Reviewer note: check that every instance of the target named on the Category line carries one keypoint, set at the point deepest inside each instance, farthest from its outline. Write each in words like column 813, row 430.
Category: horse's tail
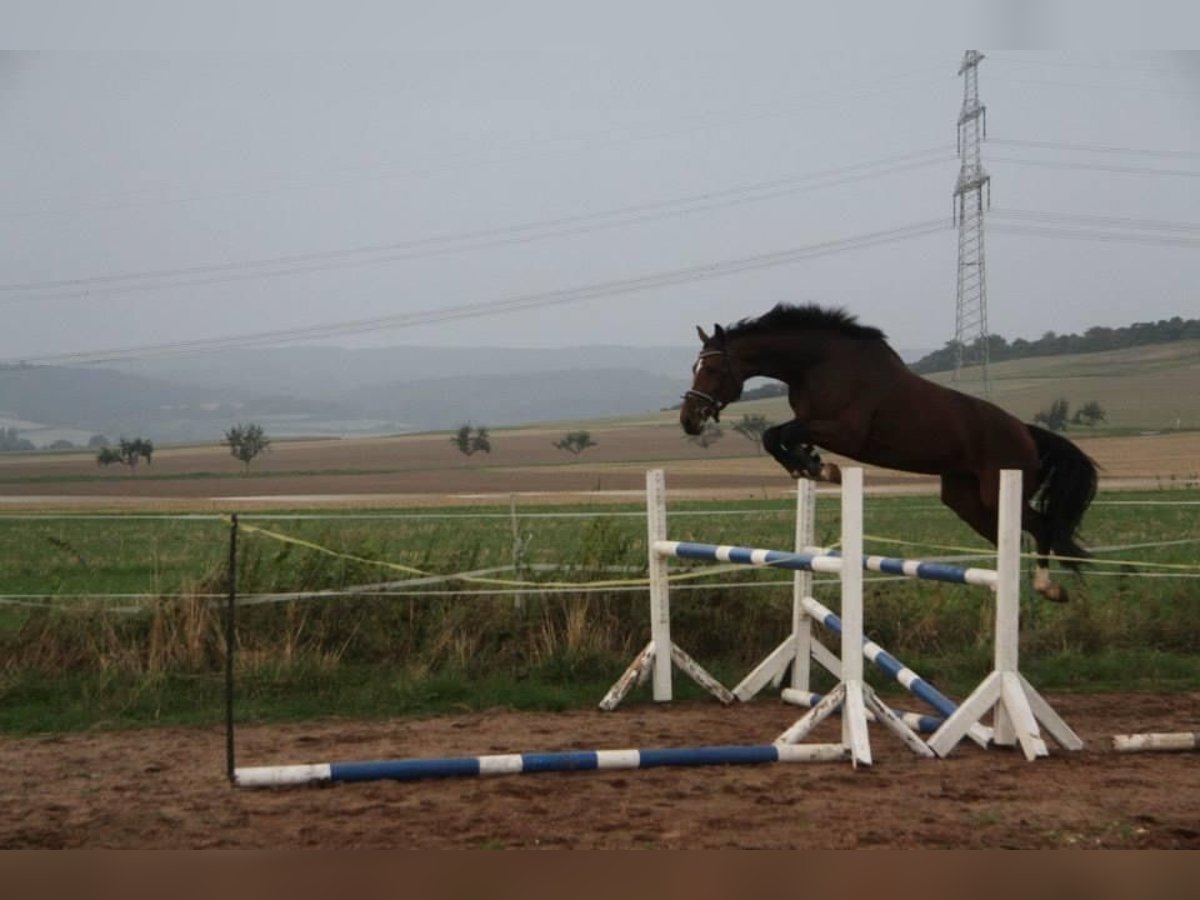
column 1066, row 486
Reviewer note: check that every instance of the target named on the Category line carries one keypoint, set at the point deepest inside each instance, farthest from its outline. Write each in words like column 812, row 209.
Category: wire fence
column 486, row 582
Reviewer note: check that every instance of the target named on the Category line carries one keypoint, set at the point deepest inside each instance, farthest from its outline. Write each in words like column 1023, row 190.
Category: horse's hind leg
column 1035, row 523
column 977, row 503
column 963, row 493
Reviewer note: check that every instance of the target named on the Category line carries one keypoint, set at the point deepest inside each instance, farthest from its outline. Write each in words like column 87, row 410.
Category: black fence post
column 230, row 641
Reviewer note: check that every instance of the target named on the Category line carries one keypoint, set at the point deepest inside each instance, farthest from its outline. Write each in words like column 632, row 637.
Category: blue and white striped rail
column 826, row 561
column 530, row 763
column 830, row 562
column 917, row 722
column 896, row 670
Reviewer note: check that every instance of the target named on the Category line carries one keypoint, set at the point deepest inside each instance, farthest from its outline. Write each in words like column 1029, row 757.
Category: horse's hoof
column 831, row 472
column 1055, row 593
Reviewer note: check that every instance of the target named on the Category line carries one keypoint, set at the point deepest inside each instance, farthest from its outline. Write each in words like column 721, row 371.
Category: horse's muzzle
column 698, row 407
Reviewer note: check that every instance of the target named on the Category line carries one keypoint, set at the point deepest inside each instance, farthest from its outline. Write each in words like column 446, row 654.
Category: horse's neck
column 779, row 357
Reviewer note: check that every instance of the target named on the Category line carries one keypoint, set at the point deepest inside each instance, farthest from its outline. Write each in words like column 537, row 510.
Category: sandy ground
column 166, row 788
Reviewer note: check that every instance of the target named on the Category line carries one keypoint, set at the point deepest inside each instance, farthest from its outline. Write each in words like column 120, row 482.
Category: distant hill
column 44, row 402
column 330, row 372
column 521, row 398
column 115, row 403
column 1150, row 388
column 334, row 391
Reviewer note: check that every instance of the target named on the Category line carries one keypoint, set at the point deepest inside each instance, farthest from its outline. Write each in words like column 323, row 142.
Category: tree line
column 1094, row 340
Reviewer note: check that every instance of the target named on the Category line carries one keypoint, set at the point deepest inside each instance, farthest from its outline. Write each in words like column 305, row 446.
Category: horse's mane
column 785, row 317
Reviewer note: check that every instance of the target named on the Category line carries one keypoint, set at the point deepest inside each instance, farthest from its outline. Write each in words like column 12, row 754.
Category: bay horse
column 851, row 394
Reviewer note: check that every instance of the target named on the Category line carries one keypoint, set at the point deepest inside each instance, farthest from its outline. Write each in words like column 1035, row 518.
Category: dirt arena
column 166, row 788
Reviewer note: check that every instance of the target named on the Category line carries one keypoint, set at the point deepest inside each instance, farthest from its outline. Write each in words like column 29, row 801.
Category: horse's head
column 714, row 383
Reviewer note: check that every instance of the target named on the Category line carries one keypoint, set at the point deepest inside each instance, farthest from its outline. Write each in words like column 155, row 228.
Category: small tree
column 471, row 440
column 751, row 427
column 709, row 435
column 107, row 456
column 131, row 452
column 96, row 441
column 246, row 442
column 10, row 439
column 1055, row 416
column 575, row 442
column 1089, row 414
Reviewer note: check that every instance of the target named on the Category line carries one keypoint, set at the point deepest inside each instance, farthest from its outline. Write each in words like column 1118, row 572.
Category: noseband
column 710, row 406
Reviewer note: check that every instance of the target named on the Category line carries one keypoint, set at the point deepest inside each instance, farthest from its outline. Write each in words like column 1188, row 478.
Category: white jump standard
column 1017, row 706
column 852, row 693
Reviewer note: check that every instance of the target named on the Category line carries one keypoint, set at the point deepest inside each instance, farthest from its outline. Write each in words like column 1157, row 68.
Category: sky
column 183, row 176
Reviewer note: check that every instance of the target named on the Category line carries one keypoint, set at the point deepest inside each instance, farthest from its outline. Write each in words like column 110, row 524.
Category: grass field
column 426, row 470
column 382, row 638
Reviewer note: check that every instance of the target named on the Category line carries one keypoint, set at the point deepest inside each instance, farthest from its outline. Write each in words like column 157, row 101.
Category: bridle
column 710, row 406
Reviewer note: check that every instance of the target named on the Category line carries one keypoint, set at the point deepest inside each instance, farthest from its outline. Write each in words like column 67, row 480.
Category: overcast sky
column 384, row 175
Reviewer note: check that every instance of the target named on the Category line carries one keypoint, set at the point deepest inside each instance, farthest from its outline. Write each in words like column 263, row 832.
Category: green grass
column 84, row 660
column 32, row 704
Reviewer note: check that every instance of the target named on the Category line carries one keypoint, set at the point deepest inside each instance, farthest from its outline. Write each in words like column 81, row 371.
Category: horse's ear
column 718, row 334
column 703, row 336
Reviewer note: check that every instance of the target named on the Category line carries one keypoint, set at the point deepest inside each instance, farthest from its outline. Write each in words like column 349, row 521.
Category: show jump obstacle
column 1016, row 706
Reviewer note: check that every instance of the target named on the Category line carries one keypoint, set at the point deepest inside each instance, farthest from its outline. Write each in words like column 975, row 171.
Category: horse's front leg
column 792, row 446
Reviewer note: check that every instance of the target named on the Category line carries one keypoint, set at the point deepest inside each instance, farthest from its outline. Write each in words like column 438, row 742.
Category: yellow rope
column 706, row 572
column 1090, row 560
column 476, row 579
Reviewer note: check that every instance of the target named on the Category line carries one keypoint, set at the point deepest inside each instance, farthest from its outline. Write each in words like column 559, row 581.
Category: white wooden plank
column 969, row 712
column 699, row 675
column 814, row 717
column 895, row 724
column 634, row 674
column 768, row 670
column 1053, row 723
column 1024, row 724
column 854, row 725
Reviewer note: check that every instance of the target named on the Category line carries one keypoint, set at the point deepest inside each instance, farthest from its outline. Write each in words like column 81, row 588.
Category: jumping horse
column 851, row 394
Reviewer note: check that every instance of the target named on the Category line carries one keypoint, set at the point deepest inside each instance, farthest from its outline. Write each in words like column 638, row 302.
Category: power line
column 1094, row 148
column 1103, row 236
column 1102, row 221
column 706, row 271
column 377, row 254
column 1004, row 57
column 1125, row 86
column 1096, row 167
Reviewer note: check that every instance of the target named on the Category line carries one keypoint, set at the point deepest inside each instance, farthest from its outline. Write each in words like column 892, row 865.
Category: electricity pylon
column 970, row 311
